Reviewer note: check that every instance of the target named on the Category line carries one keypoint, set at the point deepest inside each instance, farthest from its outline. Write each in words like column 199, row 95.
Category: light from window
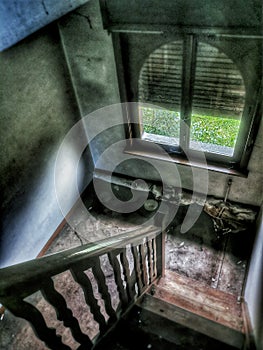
column 160, row 125
column 214, row 134
column 218, row 101
column 214, row 106
column 161, row 82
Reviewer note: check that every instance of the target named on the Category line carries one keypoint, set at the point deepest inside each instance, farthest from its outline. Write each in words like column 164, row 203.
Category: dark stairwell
column 158, row 304
column 42, row 78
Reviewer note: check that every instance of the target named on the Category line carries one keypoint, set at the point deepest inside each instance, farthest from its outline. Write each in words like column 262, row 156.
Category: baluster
column 161, row 221
column 137, row 268
column 117, row 275
column 143, row 264
column 23, row 309
column 154, row 257
column 150, row 259
column 82, row 279
column 160, row 254
column 103, row 289
column 133, row 280
column 64, row 313
column 130, row 288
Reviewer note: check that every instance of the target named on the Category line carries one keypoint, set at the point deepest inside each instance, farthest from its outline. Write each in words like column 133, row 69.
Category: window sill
column 147, row 152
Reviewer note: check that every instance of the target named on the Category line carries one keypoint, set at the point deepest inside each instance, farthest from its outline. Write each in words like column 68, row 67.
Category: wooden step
column 142, row 329
column 129, row 334
column 221, row 334
column 191, row 295
column 213, row 312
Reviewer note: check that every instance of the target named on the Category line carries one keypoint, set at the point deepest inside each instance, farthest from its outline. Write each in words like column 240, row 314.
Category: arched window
column 199, row 92
column 201, row 97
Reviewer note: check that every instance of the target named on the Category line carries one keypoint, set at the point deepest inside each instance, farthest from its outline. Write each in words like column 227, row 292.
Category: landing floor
column 218, row 260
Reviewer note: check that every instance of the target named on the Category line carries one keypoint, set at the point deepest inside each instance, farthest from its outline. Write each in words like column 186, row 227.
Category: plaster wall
column 227, row 13
column 36, row 111
column 254, row 285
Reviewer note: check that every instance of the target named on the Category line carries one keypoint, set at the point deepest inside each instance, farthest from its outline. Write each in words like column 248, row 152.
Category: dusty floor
column 201, row 254
column 218, row 260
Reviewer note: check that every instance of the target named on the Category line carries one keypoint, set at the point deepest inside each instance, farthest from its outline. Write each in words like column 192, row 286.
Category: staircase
column 155, row 309
column 179, row 313
column 110, row 274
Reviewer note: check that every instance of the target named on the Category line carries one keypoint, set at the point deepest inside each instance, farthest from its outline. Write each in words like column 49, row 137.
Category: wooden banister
column 135, row 258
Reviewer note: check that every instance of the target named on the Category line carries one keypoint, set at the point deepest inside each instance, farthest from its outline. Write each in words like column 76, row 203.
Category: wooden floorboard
column 192, row 321
column 221, row 307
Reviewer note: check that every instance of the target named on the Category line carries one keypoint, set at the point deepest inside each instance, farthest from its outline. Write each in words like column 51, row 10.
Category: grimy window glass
column 216, row 98
column 160, row 83
column 218, row 101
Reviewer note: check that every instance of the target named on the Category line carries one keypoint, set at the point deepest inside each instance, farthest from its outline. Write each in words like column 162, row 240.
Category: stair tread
column 191, row 320
column 200, row 299
column 174, row 278
column 141, row 329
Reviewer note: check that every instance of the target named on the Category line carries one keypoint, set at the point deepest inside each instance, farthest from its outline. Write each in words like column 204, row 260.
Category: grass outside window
column 214, row 130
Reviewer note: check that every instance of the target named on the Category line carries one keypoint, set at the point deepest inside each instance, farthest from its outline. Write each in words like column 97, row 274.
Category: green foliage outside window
column 207, row 129
column 161, row 122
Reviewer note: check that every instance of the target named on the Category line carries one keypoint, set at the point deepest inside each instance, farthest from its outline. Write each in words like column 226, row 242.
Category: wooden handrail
column 53, row 264
column 144, row 246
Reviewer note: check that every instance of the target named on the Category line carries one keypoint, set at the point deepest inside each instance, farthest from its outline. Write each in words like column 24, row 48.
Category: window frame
column 237, row 165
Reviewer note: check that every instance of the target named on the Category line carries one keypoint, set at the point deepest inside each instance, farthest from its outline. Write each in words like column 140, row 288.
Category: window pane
column 214, row 134
column 218, row 102
column 160, row 83
column 161, row 76
column 160, row 125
